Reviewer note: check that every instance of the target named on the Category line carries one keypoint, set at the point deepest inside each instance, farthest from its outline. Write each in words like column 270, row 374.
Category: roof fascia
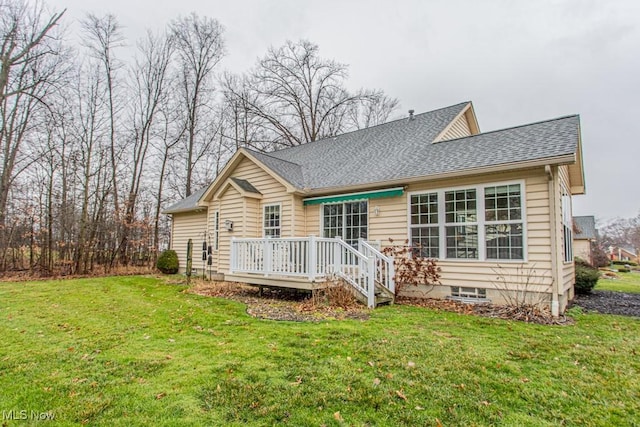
column 578, row 187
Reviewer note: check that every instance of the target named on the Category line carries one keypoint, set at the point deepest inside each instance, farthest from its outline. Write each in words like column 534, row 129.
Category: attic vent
column 411, row 114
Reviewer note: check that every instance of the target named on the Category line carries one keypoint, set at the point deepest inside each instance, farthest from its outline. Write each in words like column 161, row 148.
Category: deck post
column 267, row 250
column 337, row 256
column 312, row 257
column 371, row 282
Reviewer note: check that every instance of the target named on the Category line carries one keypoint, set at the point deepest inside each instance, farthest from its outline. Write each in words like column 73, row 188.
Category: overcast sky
column 518, row 61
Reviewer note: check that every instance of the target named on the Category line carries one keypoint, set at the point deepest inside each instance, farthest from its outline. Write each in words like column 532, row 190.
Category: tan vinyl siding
column 458, row 129
column 188, row 225
column 298, row 217
column 213, row 207
column 232, row 209
column 253, row 218
column 272, row 192
column 391, row 220
column 582, row 249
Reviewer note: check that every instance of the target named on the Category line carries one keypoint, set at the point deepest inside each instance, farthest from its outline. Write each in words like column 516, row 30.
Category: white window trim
column 321, row 207
column 264, row 211
column 481, row 222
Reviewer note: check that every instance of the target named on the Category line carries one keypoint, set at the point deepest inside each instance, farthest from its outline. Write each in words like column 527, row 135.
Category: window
column 503, row 222
column 567, row 225
column 461, row 224
column 425, row 234
column 462, row 292
column 347, row 220
column 271, row 224
column 216, row 230
column 482, row 222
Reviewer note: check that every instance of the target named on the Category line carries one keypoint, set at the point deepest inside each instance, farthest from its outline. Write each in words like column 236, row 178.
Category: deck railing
column 316, row 259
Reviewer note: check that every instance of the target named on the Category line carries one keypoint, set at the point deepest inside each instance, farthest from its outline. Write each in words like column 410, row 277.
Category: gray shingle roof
column 245, row 185
column 187, row 204
column 585, row 227
column 403, row 149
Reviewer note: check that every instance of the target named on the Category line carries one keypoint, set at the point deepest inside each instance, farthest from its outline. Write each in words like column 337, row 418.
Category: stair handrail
column 385, row 269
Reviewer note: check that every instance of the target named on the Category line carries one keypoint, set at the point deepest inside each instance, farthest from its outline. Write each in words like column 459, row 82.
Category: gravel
column 609, row 302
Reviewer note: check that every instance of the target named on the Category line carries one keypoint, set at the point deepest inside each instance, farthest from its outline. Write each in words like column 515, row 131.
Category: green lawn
column 135, row 351
column 627, row 282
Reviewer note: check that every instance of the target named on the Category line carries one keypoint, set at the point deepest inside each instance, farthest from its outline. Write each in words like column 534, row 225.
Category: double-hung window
column 271, row 222
column 461, row 223
column 483, row 222
column 503, row 222
column 425, row 233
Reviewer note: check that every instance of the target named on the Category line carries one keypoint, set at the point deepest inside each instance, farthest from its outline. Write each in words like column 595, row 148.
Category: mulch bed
column 610, row 302
column 283, row 304
column 286, row 304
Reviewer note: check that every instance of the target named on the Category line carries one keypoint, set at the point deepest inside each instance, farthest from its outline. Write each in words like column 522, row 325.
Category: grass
column 137, row 351
column 626, row 282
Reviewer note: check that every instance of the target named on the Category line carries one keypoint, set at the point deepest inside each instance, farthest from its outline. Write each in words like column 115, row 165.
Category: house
column 584, row 237
column 493, row 208
column 619, row 253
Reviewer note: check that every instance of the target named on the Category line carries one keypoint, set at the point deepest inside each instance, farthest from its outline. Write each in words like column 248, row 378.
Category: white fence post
column 267, row 251
column 371, row 282
column 312, row 257
column 337, row 256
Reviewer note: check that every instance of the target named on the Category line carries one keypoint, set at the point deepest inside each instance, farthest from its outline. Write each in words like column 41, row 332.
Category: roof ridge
column 510, row 128
column 370, row 127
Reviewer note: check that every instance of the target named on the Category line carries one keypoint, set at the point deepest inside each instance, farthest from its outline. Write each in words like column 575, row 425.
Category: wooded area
column 94, row 145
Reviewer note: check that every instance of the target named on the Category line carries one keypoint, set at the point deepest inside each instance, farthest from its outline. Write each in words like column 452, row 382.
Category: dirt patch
column 286, row 304
column 610, row 302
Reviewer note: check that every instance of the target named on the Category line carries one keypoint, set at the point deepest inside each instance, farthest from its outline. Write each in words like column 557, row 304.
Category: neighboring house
column 493, row 208
column 584, row 237
column 618, row 253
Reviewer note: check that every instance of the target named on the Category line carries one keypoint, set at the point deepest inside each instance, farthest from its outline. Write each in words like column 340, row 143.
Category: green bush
column 623, row 270
column 618, row 262
column 586, row 278
column 168, row 262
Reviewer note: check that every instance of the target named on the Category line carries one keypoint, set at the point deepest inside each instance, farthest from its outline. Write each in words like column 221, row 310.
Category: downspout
column 553, row 207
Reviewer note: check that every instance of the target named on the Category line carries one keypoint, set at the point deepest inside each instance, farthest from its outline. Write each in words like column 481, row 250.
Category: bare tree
column 200, row 47
column 149, row 76
column 302, row 97
column 30, row 64
column 104, row 35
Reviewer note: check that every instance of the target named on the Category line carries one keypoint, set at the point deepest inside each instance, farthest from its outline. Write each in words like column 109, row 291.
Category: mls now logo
column 27, row 415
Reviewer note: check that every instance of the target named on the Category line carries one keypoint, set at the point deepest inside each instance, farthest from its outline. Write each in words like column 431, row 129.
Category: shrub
column 412, row 269
column 168, row 262
column 623, row 269
column 619, row 262
column 586, row 278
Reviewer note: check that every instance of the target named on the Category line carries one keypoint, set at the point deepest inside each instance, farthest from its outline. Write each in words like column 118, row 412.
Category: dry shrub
column 411, row 269
column 335, row 295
